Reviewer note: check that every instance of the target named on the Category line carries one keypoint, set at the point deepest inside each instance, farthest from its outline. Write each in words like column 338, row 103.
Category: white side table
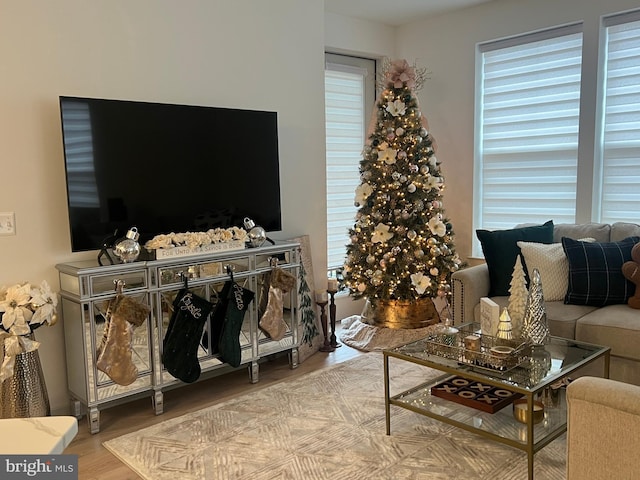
column 36, row 435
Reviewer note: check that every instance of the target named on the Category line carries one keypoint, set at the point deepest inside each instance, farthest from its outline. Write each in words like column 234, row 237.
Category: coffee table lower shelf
column 500, row 426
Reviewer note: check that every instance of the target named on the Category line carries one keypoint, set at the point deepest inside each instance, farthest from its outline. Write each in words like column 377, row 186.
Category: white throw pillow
column 552, row 263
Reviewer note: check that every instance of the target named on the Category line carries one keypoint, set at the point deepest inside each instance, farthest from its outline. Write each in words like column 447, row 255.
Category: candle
column 321, row 296
column 472, row 342
column 332, row 285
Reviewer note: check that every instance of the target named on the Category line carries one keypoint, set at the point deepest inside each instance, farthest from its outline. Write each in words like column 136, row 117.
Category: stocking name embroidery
column 188, row 305
column 237, row 294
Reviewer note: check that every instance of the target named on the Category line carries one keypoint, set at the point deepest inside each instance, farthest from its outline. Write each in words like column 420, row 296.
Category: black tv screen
column 166, row 168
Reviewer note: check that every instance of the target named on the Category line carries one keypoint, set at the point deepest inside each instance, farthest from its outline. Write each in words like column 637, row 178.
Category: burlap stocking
column 114, row 352
column 271, row 321
column 229, row 345
column 181, row 342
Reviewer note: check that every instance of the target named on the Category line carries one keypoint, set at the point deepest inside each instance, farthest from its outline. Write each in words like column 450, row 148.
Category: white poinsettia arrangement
column 196, row 239
column 23, row 308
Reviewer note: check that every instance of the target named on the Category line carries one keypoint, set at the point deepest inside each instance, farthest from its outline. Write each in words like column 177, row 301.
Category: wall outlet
column 7, row 223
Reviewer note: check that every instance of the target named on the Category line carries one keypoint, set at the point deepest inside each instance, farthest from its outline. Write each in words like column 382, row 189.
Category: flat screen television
column 166, row 168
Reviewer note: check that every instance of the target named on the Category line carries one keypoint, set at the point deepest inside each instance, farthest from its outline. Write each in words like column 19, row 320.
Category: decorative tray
column 469, row 346
column 474, row 394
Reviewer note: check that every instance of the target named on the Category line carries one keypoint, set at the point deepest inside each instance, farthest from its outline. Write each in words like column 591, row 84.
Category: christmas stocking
column 229, row 345
column 181, row 342
column 217, row 318
column 114, row 352
column 271, row 321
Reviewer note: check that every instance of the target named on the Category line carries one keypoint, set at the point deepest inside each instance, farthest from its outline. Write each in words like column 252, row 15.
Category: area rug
column 328, row 424
column 369, row 338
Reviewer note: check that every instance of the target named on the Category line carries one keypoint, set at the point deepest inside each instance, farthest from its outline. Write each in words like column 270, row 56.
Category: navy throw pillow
column 595, row 272
column 500, row 248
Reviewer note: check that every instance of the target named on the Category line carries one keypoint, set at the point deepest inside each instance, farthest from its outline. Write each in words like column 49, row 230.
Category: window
column 619, row 172
column 535, row 114
column 528, row 116
column 349, row 99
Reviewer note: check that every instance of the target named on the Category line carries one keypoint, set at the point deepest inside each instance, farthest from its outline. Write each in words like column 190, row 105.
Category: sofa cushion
column 562, row 318
column 616, row 326
column 600, row 231
column 552, row 264
column 500, row 250
column 622, row 230
column 595, row 272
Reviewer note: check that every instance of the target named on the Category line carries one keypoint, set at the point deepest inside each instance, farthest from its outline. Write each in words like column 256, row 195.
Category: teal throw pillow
column 500, row 248
column 595, row 272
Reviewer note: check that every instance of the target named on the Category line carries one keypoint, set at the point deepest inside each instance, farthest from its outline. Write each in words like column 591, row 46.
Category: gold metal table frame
column 566, row 357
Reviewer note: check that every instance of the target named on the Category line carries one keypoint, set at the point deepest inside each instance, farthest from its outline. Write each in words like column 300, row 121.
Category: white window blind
column 527, row 122
column 345, row 112
column 620, row 173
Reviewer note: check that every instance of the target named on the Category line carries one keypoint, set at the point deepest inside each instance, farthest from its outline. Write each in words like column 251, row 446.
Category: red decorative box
column 474, row 394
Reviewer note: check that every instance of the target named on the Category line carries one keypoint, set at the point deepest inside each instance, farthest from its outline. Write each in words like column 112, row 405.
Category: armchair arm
column 468, row 286
column 603, row 429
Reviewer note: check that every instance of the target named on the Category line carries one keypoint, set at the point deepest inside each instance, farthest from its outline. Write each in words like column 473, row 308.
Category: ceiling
column 395, row 12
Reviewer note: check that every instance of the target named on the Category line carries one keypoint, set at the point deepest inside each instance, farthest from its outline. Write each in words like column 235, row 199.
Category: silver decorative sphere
column 128, row 248
column 256, row 234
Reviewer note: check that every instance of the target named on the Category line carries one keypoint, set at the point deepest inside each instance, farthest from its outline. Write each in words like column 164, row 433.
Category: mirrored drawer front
column 287, row 257
column 106, row 284
column 174, row 275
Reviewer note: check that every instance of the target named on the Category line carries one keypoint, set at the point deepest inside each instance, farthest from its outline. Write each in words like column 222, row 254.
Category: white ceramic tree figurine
column 518, row 297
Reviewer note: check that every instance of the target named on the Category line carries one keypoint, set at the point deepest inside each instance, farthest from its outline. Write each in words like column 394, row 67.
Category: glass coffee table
column 533, row 375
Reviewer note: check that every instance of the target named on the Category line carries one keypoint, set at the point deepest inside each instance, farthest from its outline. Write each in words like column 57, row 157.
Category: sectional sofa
column 598, row 315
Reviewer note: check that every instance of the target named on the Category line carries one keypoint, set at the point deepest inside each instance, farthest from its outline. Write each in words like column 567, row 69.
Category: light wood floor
column 96, row 462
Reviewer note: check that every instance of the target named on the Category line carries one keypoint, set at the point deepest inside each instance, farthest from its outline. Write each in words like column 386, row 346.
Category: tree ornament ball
column 411, row 234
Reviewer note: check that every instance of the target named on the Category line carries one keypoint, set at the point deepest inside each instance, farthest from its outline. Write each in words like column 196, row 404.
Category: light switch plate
column 7, row 223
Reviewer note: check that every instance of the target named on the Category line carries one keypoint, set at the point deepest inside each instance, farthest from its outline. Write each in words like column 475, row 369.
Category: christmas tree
column 518, row 297
column 307, row 309
column 401, row 242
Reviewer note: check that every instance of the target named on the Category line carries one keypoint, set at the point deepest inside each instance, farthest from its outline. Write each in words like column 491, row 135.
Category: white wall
column 446, row 46
column 242, row 54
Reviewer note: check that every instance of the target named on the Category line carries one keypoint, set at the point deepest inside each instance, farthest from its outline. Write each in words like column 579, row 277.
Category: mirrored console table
column 86, row 289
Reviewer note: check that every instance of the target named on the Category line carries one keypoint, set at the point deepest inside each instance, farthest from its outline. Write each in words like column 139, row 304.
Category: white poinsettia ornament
column 437, row 226
column 363, row 191
column 396, row 107
column 381, row 234
column 388, row 155
column 420, row 281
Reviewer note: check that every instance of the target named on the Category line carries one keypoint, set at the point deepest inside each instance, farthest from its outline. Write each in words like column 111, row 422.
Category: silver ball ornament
column 127, row 249
column 256, row 234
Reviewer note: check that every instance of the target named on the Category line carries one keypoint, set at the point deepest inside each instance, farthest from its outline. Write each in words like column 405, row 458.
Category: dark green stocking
column 181, row 342
column 229, row 345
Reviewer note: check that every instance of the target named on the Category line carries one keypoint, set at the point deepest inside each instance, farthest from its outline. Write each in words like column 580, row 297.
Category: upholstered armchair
column 603, row 429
